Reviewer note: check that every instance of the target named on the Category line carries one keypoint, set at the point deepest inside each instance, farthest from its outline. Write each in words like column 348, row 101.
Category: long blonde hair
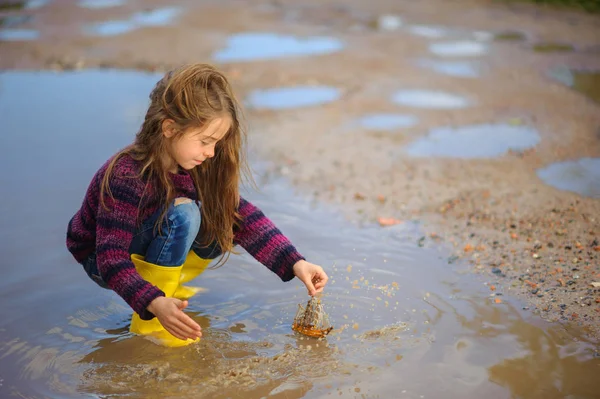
column 192, row 96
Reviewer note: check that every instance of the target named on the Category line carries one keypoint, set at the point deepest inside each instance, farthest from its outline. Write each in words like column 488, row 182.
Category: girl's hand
column 169, row 311
column 313, row 276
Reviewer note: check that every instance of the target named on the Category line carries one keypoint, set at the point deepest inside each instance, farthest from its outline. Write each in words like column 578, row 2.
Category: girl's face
column 196, row 144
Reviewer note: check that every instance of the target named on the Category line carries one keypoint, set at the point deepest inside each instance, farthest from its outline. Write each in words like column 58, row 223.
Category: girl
column 161, row 209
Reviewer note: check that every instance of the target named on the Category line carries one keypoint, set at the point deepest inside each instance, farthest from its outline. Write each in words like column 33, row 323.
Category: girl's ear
column 168, row 128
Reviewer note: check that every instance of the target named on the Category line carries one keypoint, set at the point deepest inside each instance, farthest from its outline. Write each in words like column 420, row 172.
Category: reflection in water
column 432, row 32
column 97, row 4
column 462, row 48
column 477, row 141
column 15, row 34
column 429, row 99
column 10, row 21
column 261, row 46
column 387, row 121
column 585, row 82
column 510, row 36
column 552, row 48
column 157, row 17
column 396, row 306
column 292, row 97
column 581, row 176
column 461, row 69
column 33, row 4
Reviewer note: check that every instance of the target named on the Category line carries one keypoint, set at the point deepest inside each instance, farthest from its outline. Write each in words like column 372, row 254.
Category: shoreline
column 527, row 238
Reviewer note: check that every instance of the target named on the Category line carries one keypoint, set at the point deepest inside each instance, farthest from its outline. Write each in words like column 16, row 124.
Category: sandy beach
column 441, row 113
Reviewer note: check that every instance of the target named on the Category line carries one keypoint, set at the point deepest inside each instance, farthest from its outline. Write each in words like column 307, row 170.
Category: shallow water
column 407, row 324
column 16, row 5
column 98, row 4
column 387, row 121
column 459, row 69
column 552, row 48
column 581, row 176
column 584, row 82
column 510, row 36
column 10, row 21
column 292, row 97
column 262, row 46
column 476, row 141
column 429, row 99
column 459, row 48
column 431, row 32
column 15, row 34
column 157, row 17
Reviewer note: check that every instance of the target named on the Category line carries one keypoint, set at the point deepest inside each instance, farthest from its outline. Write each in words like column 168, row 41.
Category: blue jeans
column 167, row 247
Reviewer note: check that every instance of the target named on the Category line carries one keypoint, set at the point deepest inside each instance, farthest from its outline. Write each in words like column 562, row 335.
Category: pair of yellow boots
column 169, row 279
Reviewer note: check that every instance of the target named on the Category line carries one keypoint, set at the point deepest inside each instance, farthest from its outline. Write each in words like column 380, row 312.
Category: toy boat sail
column 312, row 320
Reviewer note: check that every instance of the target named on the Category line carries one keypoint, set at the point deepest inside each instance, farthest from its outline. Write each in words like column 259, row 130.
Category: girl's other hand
column 313, row 276
column 169, row 311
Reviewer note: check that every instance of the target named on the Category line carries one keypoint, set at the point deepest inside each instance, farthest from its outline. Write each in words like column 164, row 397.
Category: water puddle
column 476, row 141
column 34, row 4
column 10, row 21
column 552, row 48
column 584, row 82
column 397, row 308
column 430, row 32
column 460, row 48
column 99, row 4
column 14, row 34
column 581, row 176
column 387, row 121
column 510, row 36
column 19, row 5
column 263, row 46
column 157, row 17
column 292, row 97
column 459, row 69
column 430, row 99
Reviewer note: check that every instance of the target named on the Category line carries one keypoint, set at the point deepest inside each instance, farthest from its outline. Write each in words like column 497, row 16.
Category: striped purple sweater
column 109, row 233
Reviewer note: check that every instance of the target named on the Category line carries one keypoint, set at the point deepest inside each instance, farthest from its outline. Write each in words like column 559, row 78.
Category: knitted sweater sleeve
column 115, row 228
column 265, row 242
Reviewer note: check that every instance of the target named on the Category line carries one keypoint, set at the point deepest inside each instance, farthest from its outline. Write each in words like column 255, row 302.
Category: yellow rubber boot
column 166, row 278
column 192, row 268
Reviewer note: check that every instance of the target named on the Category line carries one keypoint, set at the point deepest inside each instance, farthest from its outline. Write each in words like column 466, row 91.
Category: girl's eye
column 204, row 142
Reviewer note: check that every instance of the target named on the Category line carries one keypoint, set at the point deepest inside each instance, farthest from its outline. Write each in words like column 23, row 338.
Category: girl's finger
column 176, row 332
column 323, row 276
column 186, row 331
column 189, row 322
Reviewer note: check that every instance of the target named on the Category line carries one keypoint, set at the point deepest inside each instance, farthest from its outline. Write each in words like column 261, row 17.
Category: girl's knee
column 185, row 215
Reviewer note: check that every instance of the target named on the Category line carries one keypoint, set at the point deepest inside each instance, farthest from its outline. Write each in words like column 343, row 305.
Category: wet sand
column 526, row 238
